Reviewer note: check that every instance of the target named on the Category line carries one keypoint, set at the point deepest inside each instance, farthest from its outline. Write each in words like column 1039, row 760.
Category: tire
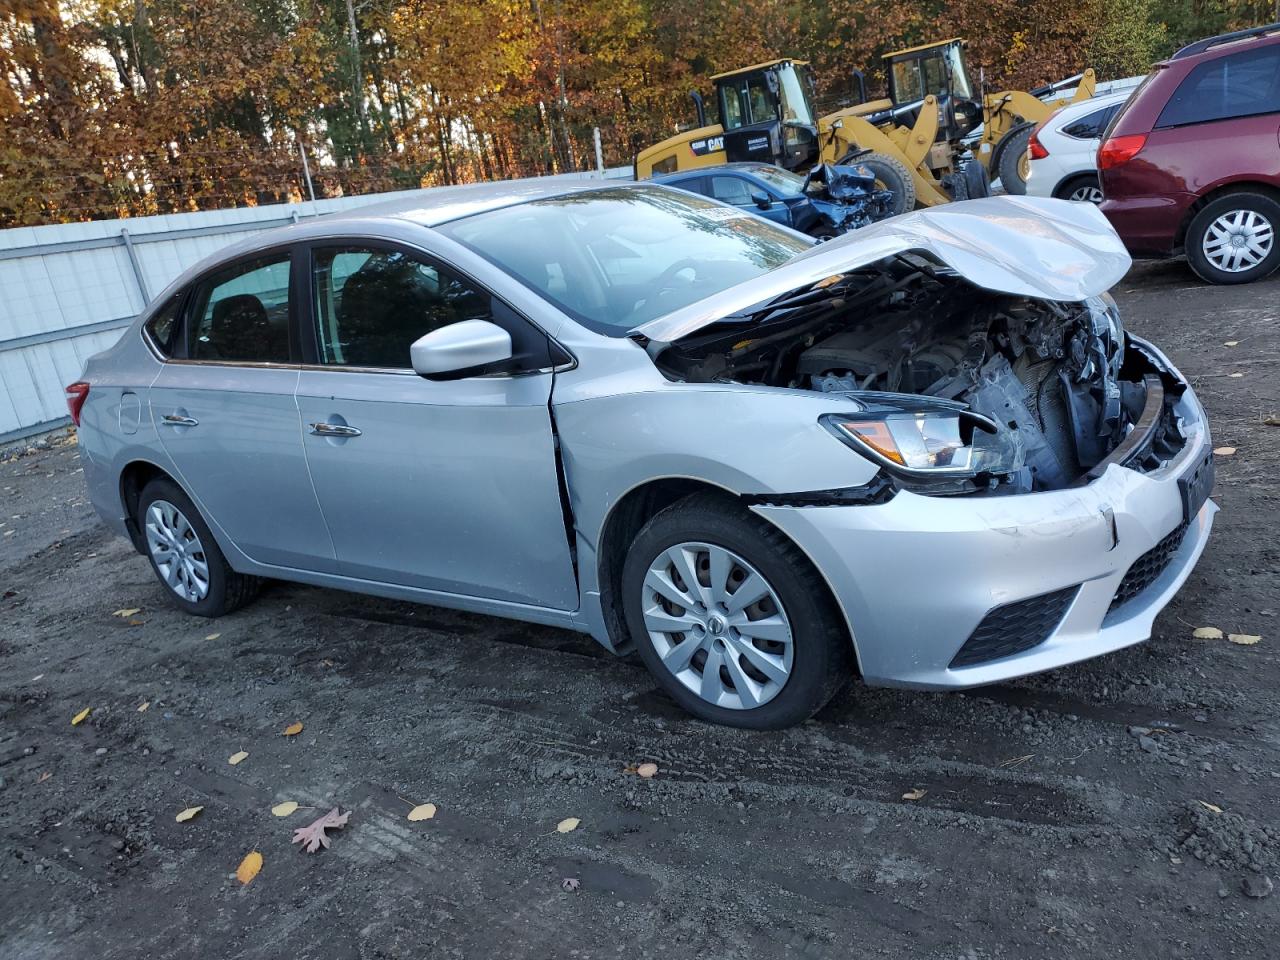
column 956, row 186
column 167, row 518
column 1252, row 216
column 807, row 650
column 1010, row 154
column 892, row 174
column 1084, row 188
column 976, row 182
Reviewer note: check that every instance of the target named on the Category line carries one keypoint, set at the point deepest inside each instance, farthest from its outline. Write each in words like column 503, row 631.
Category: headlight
column 935, row 439
column 917, row 441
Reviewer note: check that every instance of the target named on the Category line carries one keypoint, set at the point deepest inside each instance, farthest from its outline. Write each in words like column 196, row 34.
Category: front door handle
column 334, row 430
column 176, row 420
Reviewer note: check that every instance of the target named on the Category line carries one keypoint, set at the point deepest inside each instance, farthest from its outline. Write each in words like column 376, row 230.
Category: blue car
column 781, row 196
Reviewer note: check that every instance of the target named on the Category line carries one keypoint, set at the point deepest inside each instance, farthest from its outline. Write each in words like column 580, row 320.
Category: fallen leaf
column 647, row 770
column 1235, row 376
column 127, row 612
column 79, row 717
column 44, row 776
column 1224, row 451
column 423, row 811
column 1210, row 807
column 570, row 883
column 569, row 823
column 249, row 866
column 213, row 636
column 1244, row 639
column 1271, row 422
column 914, row 794
column 237, row 757
column 142, row 707
column 1232, row 343
column 293, row 729
column 313, row 835
column 38, row 676
column 187, row 814
column 1207, row 633
column 136, row 623
column 284, row 809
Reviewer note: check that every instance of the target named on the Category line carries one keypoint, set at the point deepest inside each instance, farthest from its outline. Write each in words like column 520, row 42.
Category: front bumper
column 917, row 575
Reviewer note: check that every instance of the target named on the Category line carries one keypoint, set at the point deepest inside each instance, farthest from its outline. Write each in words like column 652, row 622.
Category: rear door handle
column 334, row 430
column 175, row 420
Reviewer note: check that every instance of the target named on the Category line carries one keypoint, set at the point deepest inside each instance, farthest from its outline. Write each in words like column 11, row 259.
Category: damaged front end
column 951, row 387
column 845, row 196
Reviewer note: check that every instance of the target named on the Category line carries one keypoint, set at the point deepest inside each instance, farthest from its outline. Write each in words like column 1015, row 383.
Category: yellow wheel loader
column 914, row 141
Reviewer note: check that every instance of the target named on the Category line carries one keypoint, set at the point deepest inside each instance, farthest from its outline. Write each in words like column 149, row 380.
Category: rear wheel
column 892, row 174
column 1082, row 189
column 1233, row 239
column 730, row 618
column 1012, row 162
column 185, row 557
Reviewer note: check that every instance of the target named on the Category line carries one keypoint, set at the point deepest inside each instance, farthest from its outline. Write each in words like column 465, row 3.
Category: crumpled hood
column 1026, row 246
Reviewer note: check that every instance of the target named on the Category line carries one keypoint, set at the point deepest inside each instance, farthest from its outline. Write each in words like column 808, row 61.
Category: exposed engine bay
column 994, row 393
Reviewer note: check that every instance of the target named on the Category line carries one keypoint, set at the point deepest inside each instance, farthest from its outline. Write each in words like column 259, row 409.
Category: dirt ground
column 1128, row 807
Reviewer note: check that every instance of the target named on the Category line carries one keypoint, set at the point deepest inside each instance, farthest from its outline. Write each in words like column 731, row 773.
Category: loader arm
column 907, row 144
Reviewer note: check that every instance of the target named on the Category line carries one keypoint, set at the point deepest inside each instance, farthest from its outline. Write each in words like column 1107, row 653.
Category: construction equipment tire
column 892, row 174
column 1010, row 157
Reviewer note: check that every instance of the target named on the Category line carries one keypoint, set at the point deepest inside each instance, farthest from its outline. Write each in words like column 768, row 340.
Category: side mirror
column 761, row 199
column 459, row 349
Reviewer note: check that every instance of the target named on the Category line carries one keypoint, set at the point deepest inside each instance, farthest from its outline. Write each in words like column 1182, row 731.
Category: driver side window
column 371, row 304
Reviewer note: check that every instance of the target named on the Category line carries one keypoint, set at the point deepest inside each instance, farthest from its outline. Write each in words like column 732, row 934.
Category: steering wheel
column 663, row 280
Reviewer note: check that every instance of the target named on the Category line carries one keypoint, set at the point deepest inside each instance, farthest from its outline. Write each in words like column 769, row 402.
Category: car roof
column 436, row 205
column 739, row 166
column 1074, row 111
column 1226, row 43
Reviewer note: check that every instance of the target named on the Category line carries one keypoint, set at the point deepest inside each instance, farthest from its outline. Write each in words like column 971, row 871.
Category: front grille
column 1147, row 569
column 1015, row 627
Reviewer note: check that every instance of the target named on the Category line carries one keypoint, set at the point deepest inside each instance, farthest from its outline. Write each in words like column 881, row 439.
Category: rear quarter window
column 163, row 325
column 1243, row 84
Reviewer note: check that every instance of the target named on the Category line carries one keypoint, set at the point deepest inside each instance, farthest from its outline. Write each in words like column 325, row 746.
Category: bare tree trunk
column 357, row 71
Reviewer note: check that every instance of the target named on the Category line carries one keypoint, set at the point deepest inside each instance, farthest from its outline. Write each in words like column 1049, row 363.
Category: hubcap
column 1238, row 241
column 1086, row 194
column 717, row 625
column 176, row 551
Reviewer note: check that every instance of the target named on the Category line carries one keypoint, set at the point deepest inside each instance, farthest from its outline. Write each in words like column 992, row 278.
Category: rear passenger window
column 242, row 313
column 1241, row 85
column 162, row 324
column 1090, row 126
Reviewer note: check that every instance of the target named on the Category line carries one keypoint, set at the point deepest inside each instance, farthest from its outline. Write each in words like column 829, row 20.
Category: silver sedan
column 926, row 452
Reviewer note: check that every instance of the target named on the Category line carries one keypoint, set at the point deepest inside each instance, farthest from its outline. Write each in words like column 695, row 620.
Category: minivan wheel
column 1233, row 239
column 731, row 618
column 185, row 557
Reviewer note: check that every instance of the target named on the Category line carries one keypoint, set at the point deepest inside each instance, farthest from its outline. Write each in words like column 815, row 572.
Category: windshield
column 795, row 105
column 937, row 71
column 784, row 181
column 618, row 257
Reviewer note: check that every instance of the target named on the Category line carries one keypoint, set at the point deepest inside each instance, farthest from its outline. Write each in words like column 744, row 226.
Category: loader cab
column 936, row 69
column 767, row 115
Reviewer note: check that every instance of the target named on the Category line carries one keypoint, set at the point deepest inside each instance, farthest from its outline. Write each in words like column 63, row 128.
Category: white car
column 1064, row 149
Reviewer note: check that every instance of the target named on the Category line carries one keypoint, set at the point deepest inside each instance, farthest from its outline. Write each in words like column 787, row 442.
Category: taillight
column 77, row 393
column 1038, row 152
column 1118, row 150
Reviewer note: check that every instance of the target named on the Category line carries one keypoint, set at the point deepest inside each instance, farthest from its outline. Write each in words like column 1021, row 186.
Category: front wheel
column 893, row 175
column 1233, row 239
column 185, row 557
column 731, row 618
column 1012, row 162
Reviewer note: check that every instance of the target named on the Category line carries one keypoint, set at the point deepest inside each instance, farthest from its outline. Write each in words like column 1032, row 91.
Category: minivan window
column 242, row 313
column 1241, row 85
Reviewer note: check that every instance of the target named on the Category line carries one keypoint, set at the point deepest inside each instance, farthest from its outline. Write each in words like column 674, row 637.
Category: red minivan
column 1192, row 162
